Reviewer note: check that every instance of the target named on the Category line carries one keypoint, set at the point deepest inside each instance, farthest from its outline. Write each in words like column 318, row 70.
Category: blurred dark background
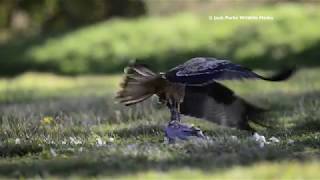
column 45, row 16
column 100, row 36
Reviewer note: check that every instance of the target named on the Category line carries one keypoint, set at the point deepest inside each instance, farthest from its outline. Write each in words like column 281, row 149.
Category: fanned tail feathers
column 139, row 83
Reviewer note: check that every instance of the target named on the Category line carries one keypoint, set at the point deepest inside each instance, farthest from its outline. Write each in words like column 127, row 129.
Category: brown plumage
column 194, row 86
column 140, row 83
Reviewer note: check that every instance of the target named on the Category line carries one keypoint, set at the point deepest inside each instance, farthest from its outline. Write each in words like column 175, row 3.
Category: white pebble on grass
column 274, row 139
column 234, row 138
column 111, row 139
column 75, row 141
column 80, row 149
column 17, row 141
column 64, row 142
column 290, row 141
column 53, row 152
column 100, row 142
column 260, row 139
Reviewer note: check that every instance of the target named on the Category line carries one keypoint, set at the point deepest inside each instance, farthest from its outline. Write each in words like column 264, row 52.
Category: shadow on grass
column 144, row 130
column 308, row 126
column 220, row 154
column 19, row 150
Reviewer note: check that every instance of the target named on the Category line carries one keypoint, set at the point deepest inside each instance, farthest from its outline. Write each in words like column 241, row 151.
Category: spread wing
column 201, row 71
column 218, row 104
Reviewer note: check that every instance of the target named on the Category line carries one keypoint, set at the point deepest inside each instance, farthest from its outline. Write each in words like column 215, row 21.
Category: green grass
column 284, row 170
column 43, row 85
column 55, row 126
column 167, row 41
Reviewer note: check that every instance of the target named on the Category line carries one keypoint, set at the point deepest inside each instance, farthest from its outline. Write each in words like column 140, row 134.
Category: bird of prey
column 219, row 104
column 193, row 89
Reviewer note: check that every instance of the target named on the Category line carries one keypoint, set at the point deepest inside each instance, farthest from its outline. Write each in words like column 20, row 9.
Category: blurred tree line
column 57, row 15
column 106, row 47
column 27, row 17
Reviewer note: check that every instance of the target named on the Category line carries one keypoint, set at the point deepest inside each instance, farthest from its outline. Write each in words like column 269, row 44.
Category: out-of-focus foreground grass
column 288, row 170
column 56, row 126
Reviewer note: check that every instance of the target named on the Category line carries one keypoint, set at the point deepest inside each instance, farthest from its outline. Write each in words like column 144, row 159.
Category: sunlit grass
column 40, row 85
column 283, row 170
column 60, row 126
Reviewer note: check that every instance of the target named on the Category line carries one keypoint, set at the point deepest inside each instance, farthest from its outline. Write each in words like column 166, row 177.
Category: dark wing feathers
column 282, row 75
column 219, row 104
column 204, row 97
column 201, row 71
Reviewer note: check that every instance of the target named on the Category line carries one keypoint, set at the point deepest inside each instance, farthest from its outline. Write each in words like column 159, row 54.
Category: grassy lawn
column 55, row 126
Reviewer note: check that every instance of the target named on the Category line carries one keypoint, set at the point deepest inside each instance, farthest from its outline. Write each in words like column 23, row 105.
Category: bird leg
column 174, row 111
